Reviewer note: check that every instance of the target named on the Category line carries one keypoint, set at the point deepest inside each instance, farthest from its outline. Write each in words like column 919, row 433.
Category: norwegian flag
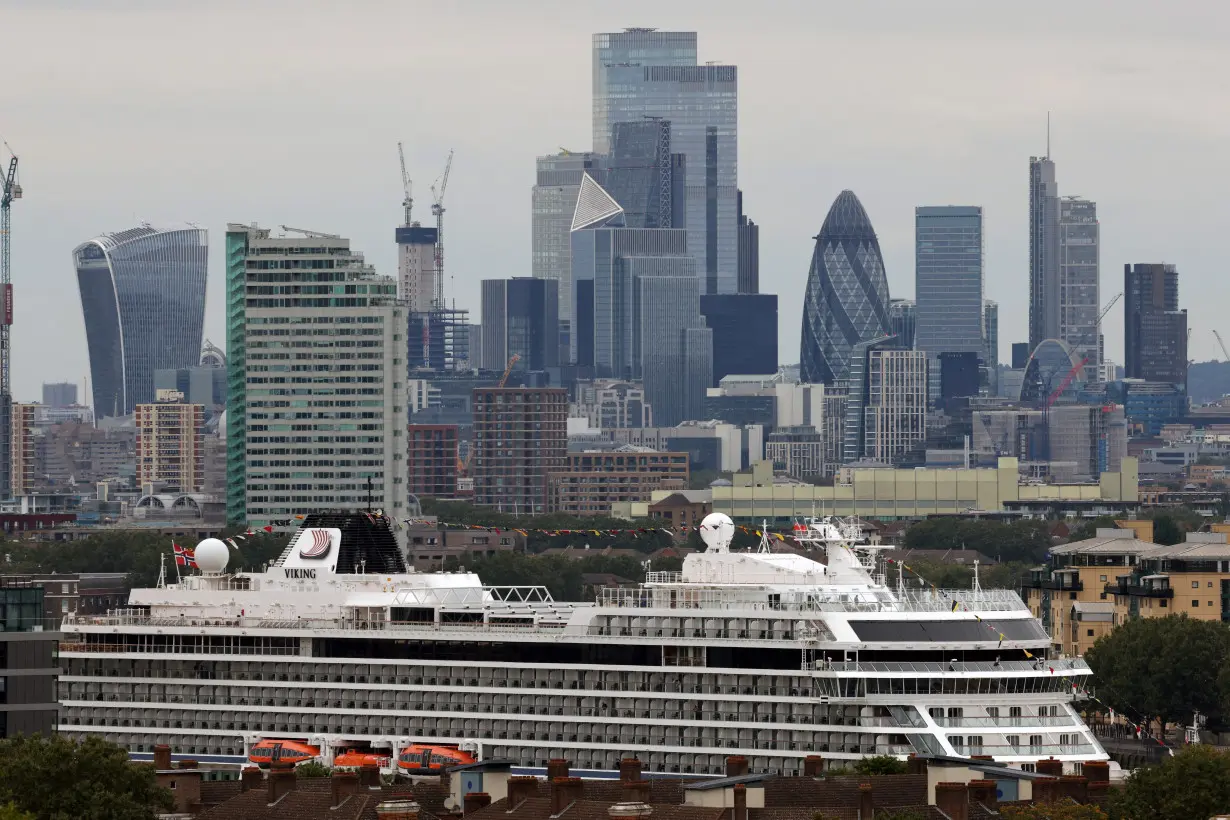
column 184, row 557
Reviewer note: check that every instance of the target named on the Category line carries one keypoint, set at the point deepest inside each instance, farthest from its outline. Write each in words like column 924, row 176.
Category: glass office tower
column 948, row 283
column 143, row 300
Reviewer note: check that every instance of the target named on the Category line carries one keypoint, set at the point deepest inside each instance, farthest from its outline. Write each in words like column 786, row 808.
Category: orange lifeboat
column 421, row 758
column 354, row 757
column 274, row 750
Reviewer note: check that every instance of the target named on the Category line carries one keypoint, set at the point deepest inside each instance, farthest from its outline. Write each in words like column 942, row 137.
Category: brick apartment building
column 592, row 481
column 432, row 468
column 520, row 438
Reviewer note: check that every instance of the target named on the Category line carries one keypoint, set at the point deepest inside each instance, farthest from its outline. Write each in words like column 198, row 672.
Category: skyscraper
column 520, row 317
column 903, row 321
column 554, row 199
column 749, row 252
column 314, row 295
column 644, row 176
column 1078, row 281
column 948, row 283
column 1154, row 328
column 990, row 336
column 637, row 306
column 1043, row 251
column 641, row 72
column 143, row 299
column 744, row 329
column 416, row 266
column 847, row 293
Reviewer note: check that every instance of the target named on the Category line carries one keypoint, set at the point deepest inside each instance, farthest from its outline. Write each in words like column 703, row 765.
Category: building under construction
column 1070, row 442
column 438, row 341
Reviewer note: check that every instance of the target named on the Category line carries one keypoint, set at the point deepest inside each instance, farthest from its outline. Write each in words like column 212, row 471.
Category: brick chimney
column 984, row 792
column 281, row 781
column 1075, row 787
column 397, row 810
column 736, row 766
column 369, row 776
column 739, row 809
column 629, row 769
column 187, row 764
column 249, row 778
column 344, row 785
column 564, row 792
column 474, row 801
column 813, row 766
column 1050, row 766
column 1046, row 790
column 520, row 789
column 1097, row 792
column 636, row 791
column 162, row 757
column 915, row 765
column 866, row 806
column 1096, row 771
column 556, row 767
column 953, row 800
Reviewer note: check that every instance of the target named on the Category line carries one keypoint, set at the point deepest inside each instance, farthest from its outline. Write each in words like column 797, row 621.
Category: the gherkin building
column 847, row 293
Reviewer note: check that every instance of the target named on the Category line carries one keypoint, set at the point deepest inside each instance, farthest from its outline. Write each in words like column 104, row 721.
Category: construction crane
column 312, row 234
column 11, row 190
column 437, row 210
column 464, row 466
column 1222, row 345
column 407, row 202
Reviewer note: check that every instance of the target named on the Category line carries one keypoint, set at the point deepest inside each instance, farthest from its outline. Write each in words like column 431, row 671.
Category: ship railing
column 664, row 577
column 448, row 596
column 514, row 623
column 1003, row 722
column 769, row 598
column 1060, row 665
column 1026, row 749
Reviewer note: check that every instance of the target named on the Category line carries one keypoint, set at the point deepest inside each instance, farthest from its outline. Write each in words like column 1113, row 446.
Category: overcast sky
column 216, row 111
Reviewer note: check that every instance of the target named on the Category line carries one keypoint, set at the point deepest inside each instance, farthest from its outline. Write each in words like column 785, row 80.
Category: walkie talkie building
column 143, row 299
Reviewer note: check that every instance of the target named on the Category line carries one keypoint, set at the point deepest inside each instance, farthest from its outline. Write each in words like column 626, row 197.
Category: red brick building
column 432, row 454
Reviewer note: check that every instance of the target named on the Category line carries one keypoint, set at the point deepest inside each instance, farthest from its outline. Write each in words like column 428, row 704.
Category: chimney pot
column 953, row 800
column 813, row 766
column 162, row 757
column 736, row 766
column 866, row 805
column 1050, row 766
column 475, row 801
column 556, row 767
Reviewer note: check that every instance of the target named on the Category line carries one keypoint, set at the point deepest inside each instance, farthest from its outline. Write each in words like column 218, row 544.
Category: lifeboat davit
column 294, row 752
column 420, row 758
column 353, row 757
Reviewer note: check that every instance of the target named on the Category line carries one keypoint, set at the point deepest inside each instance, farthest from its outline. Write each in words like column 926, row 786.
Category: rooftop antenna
column 1048, row 134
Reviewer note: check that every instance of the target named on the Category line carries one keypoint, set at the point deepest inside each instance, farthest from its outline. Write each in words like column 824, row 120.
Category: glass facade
column 990, row 336
column 236, row 374
column 554, row 200
column 847, row 293
column 520, row 317
column 1078, row 281
column 948, row 282
column 1043, row 251
column 744, row 329
column 1155, row 330
column 640, row 73
column 1048, row 371
column 143, row 300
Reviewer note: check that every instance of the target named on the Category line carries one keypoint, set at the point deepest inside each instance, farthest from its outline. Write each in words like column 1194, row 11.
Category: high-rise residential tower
column 328, row 428
column 1078, row 281
column 643, row 73
column 1154, row 328
column 1043, row 251
column 520, row 438
column 948, row 282
column 846, row 301
column 143, row 299
column 416, row 267
column 171, row 442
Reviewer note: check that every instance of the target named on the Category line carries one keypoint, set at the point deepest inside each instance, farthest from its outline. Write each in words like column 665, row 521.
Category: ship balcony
column 762, row 598
column 1004, row 722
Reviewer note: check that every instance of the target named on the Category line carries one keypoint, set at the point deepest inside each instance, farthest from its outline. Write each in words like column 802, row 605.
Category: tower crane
column 1079, row 366
column 1221, row 344
column 437, row 210
column 311, row 234
column 10, row 191
column 407, row 202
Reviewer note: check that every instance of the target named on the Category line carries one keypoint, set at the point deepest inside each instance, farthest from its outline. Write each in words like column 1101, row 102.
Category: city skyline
column 271, row 172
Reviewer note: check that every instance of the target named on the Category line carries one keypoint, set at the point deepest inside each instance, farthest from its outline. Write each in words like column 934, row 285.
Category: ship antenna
column 977, row 583
column 162, row 570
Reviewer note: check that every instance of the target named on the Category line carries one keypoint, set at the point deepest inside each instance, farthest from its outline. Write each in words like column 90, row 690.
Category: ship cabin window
column 992, row 711
column 956, row 712
column 1013, row 741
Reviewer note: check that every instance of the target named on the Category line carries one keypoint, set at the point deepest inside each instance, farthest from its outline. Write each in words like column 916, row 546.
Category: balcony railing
column 1139, row 590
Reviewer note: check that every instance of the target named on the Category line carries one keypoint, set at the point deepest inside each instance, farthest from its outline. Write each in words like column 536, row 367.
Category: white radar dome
column 211, row 555
column 717, row 531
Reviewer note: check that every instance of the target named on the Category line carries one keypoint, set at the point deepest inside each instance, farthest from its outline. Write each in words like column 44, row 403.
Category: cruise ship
column 339, row 647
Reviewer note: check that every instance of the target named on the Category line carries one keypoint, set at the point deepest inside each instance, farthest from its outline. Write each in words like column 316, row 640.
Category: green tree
column 11, row 812
column 1195, row 783
column 1166, row 668
column 1090, row 528
column 1167, row 530
column 313, row 768
column 879, row 764
column 54, row 778
column 1025, row 541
